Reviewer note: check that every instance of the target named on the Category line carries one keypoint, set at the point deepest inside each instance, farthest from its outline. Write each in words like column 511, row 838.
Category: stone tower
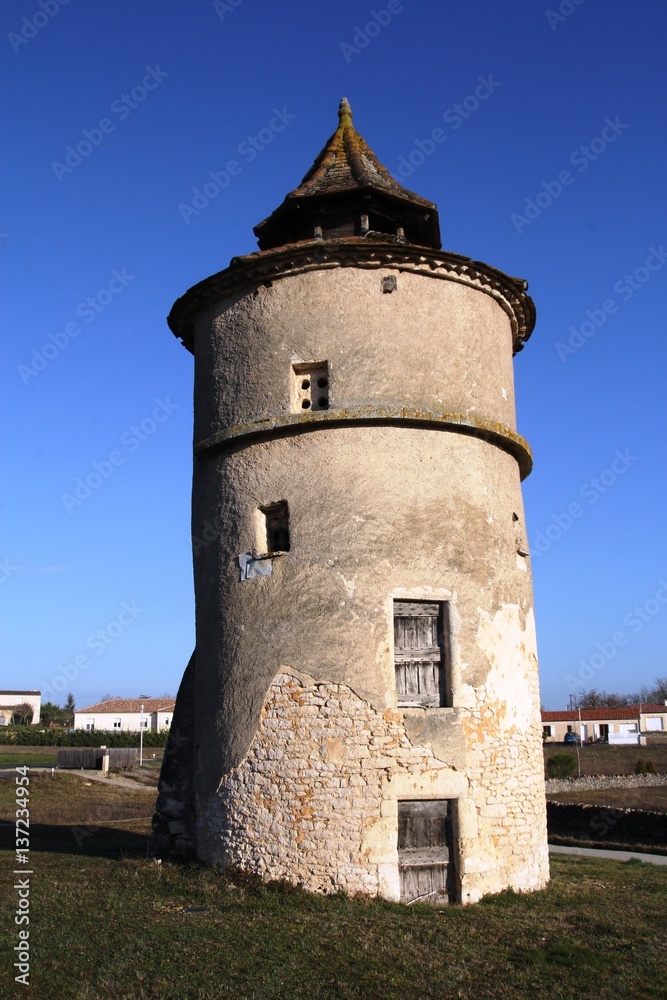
column 362, row 709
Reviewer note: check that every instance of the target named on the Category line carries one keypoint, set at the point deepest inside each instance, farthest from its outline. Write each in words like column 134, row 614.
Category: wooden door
column 425, row 855
column 419, row 654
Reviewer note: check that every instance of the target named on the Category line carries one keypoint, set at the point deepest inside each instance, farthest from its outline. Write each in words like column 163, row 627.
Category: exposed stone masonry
column 314, row 801
column 303, row 804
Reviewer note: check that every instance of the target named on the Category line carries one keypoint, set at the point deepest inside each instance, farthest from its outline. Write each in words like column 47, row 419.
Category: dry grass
column 128, row 928
column 146, row 776
column 107, row 922
column 66, row 799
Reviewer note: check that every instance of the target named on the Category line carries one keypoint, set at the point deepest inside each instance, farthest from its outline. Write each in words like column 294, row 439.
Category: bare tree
column 22, row 714
column 659, row 692
column 604, row 699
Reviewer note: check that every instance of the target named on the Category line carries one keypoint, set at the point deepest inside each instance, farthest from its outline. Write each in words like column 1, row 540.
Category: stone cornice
column 312, row 255
column 286, row 424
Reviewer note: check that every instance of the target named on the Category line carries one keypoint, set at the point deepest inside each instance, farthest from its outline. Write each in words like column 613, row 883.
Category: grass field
column 67, row 799
column 600, row 758
column 652, row 798
column 108, row 921
column 10, row 756
column 33, row 756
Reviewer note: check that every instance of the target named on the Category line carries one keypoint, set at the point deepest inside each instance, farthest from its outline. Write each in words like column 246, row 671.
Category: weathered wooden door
column 425, row 855
column 419, row 654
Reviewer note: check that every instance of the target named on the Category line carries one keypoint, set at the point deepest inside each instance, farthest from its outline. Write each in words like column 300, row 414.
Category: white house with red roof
column 613, row 725
column 127, row 715
column 11, row 700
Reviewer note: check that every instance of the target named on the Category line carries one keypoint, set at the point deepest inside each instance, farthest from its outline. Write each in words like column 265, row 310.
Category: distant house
column 10, row 700
column 613, row 725
column 126, row 715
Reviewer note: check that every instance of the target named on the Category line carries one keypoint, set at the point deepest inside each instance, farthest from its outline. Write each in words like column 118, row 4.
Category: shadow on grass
column 90, row 841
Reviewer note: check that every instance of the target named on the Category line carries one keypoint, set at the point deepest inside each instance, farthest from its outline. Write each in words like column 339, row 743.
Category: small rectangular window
column 143, row 723
column 310, row 387
column 276, row 524
column 421, row 654
column 90, row 725
column 547, row 732
column 116, row 723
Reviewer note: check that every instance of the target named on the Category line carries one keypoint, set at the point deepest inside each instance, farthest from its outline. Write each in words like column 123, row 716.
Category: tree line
column 657, row 693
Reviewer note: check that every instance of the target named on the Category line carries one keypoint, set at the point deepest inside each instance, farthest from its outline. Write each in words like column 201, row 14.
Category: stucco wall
column 377, row 513
column 432, row 344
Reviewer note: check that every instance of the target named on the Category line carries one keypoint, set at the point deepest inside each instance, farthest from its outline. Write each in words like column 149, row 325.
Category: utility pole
column 141, row 737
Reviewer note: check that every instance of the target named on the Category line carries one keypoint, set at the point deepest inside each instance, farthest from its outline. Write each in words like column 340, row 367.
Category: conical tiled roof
column 347, row 162
column 348, row 181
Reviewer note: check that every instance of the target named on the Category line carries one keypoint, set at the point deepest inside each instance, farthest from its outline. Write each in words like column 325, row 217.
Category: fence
column 90, row 758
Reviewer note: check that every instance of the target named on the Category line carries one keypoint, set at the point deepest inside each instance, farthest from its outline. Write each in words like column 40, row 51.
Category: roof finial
column 344, row 109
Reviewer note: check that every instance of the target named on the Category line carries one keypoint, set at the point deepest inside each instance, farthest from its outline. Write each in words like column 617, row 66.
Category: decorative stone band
column 312, row 255
column 296, row 423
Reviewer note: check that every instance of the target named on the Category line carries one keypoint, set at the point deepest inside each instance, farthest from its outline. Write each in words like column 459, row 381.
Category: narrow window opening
column 276, row 524
column 520, row 540
column 310, row 386
column 421, row 654
column 426, row 850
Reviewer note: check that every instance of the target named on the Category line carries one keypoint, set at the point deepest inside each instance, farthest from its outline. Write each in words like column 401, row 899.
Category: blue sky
column 553, row 172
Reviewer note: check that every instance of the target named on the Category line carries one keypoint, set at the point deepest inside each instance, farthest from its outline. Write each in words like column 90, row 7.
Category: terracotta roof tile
column 602, row 714
column 347, row 162
column 115, row 705
column 348, row 180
